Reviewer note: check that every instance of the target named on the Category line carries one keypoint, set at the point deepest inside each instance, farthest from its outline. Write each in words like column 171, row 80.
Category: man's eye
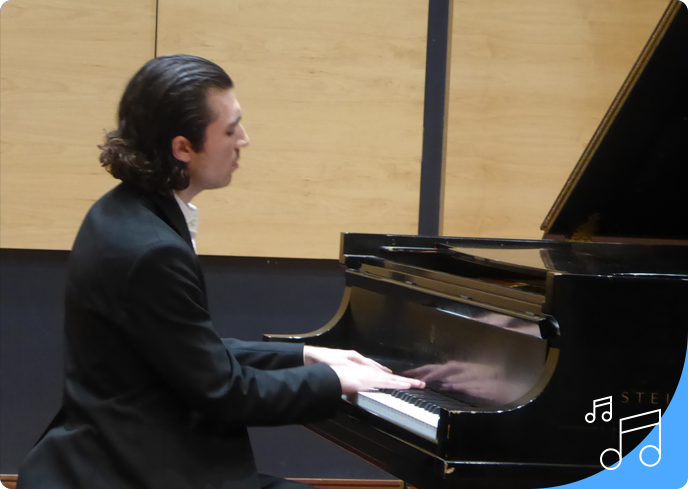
column 230, row 133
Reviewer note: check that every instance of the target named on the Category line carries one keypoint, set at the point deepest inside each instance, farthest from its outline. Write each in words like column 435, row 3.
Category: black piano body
column 518, row 338
column 529, row 349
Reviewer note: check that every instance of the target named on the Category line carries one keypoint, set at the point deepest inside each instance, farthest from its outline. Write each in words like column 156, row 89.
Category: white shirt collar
column 190, row 212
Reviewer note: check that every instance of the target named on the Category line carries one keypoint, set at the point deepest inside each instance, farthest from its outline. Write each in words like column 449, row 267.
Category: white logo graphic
column 602, row 401
column 651, row 415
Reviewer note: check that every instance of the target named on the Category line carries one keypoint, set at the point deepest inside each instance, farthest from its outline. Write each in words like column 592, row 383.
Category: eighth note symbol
column 643, row 417
column 606, row 416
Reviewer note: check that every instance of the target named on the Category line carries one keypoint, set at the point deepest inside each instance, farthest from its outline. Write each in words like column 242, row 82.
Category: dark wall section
column 247, row 296
column 31, row 309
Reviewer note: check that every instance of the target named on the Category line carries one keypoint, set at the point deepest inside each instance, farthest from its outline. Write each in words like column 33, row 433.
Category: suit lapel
column 172, row 214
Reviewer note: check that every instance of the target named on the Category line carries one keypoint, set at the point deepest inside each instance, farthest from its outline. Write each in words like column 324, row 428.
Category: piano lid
column 631, row 183
column 580, row 258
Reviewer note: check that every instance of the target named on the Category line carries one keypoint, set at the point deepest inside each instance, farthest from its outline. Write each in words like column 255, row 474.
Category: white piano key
column 401, row 413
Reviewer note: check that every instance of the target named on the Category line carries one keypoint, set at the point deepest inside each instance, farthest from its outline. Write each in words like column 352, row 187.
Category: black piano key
column 427, row 399
column 441, row 401
column 429, row 405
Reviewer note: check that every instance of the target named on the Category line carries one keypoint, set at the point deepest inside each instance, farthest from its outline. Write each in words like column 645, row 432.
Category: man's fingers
column 368, row 362
column 363, row 378
column 332, row 357
column 397, row 382
column 372, row 363
column 414, row 384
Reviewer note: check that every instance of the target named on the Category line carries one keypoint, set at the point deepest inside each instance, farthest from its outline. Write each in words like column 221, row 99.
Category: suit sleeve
column 166, row 319
column 266, row 356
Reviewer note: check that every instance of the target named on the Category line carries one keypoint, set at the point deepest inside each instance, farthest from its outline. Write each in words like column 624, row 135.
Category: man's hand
column 332, row 357
column 358, row 373
column 357, row 378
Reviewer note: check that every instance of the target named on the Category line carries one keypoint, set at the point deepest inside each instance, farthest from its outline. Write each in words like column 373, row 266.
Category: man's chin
column 219, row 185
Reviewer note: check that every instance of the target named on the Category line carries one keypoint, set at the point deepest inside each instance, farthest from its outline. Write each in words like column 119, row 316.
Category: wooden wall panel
column 530, row 82
column 64, row 65
column 332, row 95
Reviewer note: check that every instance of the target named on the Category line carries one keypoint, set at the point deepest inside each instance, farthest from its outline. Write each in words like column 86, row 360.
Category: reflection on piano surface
column 516, row 338
column 510, row 373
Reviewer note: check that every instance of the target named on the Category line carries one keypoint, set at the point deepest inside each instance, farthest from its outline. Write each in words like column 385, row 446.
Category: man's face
column 224, row 138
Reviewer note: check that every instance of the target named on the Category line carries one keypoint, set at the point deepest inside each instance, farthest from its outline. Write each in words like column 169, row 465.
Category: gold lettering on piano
column 641, row 397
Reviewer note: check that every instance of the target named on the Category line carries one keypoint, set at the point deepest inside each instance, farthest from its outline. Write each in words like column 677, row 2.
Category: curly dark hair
column 166, row 98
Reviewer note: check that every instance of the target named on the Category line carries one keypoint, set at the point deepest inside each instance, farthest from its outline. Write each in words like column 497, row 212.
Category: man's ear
column 181, row 149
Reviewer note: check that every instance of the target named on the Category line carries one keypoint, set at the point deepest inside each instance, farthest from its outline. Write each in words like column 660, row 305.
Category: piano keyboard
column 415, row 410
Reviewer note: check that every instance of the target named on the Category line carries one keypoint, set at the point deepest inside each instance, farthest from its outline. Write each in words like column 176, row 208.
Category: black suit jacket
column 153, row 398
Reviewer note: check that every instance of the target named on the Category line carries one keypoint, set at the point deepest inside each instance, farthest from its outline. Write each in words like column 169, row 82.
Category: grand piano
column 518, row 339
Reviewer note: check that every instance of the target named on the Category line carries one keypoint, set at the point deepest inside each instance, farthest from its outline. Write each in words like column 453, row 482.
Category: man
column 153, row 398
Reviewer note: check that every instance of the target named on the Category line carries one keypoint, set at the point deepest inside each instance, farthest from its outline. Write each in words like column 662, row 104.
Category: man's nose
column 244, row 140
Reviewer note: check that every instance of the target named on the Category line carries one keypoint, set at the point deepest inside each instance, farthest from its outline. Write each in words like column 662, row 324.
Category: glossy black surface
column 588, row 258
column 634, row 185
column 522, row 392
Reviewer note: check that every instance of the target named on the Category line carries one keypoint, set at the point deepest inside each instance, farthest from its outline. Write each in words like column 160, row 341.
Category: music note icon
column 652, row 415
column 602, row 401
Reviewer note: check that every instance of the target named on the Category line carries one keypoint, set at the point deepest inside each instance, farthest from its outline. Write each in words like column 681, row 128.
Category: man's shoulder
column 122, row 197
column 128, row 218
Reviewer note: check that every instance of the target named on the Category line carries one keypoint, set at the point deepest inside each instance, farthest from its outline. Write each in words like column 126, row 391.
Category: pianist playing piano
column 153, row 398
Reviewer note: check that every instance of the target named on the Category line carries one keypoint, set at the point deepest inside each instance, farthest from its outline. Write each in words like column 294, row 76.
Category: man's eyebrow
column 238, row 119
